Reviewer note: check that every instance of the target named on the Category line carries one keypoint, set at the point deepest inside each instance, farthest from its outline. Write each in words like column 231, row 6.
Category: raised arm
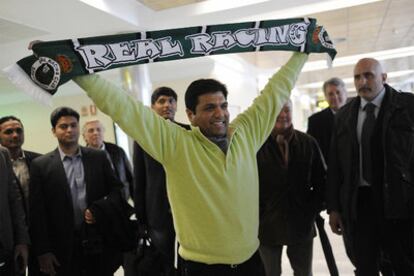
column 154, row 134
column 259, row 119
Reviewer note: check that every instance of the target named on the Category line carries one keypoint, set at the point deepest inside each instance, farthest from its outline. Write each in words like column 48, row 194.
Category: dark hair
column 333, row 81
column 60, row 112
column 201, row 87
column 163, row 91
column 9, row 118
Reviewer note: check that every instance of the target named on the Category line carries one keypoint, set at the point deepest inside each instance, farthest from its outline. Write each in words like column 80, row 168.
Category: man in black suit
column 320, row 127
column 93, row 134
column 150, row 197
column 370, row 174
column 12, row 138
column 320, row 124
column 64, row 184
column 14, row 238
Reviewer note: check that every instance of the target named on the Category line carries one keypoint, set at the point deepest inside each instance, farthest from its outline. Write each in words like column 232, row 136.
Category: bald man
column 371, row 173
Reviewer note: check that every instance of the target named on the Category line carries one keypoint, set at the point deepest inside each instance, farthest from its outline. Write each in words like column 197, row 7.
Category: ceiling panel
column 158, row 5
column 11, row 31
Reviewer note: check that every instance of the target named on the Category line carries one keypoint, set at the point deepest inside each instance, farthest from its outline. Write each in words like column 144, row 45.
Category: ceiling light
column 390, row 75
column 220, row 5
column 301, row 9
column 352, row 60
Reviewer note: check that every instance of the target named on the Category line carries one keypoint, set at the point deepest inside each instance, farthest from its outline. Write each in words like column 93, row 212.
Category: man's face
column 335, row 96
column 94, row 134
column 67, row 131
column 165, row 106
column 369, row 78
column 284, row 119
column 211, row 115
column 11, row 134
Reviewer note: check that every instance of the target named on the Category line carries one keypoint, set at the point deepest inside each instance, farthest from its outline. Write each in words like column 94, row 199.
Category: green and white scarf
column 56, row 62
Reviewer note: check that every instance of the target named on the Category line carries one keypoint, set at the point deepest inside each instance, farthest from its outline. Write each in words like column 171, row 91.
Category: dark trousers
column 251, row 267
column 83, row 264
column 10, row 269
column 376, row 237
column 155, row 263
column 7, row 270
column 129, row 264
column 300, row 258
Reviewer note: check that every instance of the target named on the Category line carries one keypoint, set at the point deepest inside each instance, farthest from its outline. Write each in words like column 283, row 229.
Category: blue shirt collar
column 63, row 155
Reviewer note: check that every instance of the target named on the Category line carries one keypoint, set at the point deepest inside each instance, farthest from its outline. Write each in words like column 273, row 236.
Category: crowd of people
column 214, row 197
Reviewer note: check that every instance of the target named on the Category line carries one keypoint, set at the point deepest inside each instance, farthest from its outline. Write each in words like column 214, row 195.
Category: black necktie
column 366, row 134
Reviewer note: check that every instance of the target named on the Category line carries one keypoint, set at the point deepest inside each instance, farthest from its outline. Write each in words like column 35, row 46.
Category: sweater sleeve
column 258, row 120
column 154, row 134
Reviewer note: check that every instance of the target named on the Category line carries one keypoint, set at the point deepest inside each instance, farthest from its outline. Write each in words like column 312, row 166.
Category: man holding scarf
column 211, row 170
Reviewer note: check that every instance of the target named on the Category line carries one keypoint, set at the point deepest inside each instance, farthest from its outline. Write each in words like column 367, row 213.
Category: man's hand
column 335, row 222
column 21, row 253
column 30, row 46
column 47, row 263
column 89, row 219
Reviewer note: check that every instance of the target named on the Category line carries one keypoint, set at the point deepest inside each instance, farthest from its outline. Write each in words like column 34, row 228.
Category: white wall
column 36, row 120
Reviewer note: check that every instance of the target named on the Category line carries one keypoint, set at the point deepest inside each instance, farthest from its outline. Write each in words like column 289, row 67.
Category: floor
column 319, row 264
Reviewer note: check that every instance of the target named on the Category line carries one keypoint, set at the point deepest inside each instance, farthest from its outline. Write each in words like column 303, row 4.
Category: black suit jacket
column 392, row 156
column 151, row 202
column 292, row 196
column 122, row 167
column 13, row 229
column 29, row 157
column 320, row 127
column 51, row 221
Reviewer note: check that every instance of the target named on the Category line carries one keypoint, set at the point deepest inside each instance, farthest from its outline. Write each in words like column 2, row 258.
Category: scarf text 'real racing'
column 56, row 62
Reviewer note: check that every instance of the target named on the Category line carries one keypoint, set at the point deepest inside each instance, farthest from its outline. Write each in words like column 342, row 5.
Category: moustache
column 364, row 88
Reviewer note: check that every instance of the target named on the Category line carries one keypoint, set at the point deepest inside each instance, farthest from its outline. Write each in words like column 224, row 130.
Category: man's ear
column 190, row 115
column 384, row 77
column 53, row 131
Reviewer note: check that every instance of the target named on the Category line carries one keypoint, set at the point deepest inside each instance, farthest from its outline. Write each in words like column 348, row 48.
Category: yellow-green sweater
column 214, row 196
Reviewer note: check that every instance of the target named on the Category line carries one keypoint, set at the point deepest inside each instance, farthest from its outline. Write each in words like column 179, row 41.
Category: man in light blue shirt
column 64, row 184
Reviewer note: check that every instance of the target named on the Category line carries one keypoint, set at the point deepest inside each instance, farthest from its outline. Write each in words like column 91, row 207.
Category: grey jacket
column 13, row 229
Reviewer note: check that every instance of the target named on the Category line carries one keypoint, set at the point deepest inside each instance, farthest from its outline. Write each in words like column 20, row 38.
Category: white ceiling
column 361, row 29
